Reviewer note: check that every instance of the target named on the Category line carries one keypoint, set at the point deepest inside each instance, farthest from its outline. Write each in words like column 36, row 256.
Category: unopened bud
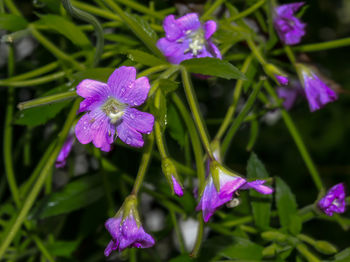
column 325, row 247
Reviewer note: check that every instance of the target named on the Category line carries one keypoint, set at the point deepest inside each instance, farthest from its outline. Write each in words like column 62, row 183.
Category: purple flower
column 334, row 200
column 211, row 199
column 289, row 28
column 317, row 92
column 126, row 233
column 289, row 95
column 66, row 148
column 177, row 187
column 110, row 110
column 187, row 38
column 282, row 80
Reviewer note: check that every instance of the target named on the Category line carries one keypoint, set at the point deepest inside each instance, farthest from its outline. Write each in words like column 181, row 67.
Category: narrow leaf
column 12, row 22
column 66, row 28
column 144, row 58
column 213, row 67
column 261, row 204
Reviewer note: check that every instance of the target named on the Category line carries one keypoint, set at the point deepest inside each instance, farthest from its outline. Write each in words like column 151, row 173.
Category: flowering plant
column 138, row 131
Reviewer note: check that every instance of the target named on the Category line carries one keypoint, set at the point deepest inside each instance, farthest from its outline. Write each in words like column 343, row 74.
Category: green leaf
column 122, row 39
column 100, row 74
column 181, row 258
column 63, row 248
column 261, row 204
column 39, row 115
column 168, row 86
column 144, row 58
column 213, row 67
column 75, row 195
column 243, row 249
column 12, row 22
column 343, row 256
column 66, row 28
column 287, row 207
column 175, row 126
column 144, row 25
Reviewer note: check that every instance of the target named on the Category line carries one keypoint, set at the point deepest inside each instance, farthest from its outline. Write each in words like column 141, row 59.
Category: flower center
column 113, row 109
column 336, row 202
column 197, row 41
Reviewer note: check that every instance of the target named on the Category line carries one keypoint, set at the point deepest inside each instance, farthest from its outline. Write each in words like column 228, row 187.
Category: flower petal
column 171, row 28
column 129, row 135
column 66, row 148
column 258, row 186
column 136, row 93
column 189, row 22
column 140, row 121
column 120, row 80
column 209, row 28
column 174, row 52
column 177, row 187
column 94, row 92
column 289, row 9
column 110, row 247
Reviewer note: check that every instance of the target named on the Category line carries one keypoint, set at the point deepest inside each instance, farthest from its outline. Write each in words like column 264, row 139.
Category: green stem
column 199, row 238
column 12, row 7
column 192, row 101
column 318, row 47
column 236, row 95
column 298, row 141
column 310, row 257
column 239, row 119
column 247, row 11
column 256, row 51
column 22, row 215
column 290, row 54
column 165, row 75
column 75, row 12
column 47, row 100
column 138, row 31
column 152, row 70
column 145, row 160
column 211, row 9
column 8, row 130
column 97, row 11
column 53, row 49
column 42, row 248
column 157, row 129
column 33, row 82
column 178, row 232
column 197, row 148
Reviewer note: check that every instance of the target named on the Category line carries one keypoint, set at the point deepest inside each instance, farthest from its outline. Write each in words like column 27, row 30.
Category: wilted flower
column 220, row 188
column 109, row 110
column 187, row 38
column 126, row 229
column 65, row 150
column 317, row 92
column 334, row 200
column 289, row 28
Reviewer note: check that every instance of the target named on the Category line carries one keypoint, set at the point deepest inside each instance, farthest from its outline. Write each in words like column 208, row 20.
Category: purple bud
column 283, row 80
column 64, row 153
column 177, row 187
column 334, row 200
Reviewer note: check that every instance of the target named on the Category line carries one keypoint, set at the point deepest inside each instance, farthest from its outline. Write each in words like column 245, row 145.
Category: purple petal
column 174, row 52
column 129, row 135
column 94, row 126
column 258, row 186
column 214, row 50
column 289, row 95
column 289, row 9
column 94, row 92
column 136, row 93
column 120, row 80
column 177, row 187
column 110, row 247
column 209, row 28
column 113, row 226
column 171, row 28
column 140, row 121
column 189, row 22
column 334, row 200
column 317, row 92
column 229, row 184
column 66, row 148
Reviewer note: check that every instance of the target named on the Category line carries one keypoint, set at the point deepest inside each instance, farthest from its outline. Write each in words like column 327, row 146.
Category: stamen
column 113, row 109
column 197, row 41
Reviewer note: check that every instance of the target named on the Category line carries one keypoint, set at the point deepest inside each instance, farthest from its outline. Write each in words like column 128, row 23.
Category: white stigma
column 197, row 41
column 113, row 109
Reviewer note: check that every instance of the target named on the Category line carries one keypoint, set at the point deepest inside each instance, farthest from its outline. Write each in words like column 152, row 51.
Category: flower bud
column 171, row 175
column 325, row 247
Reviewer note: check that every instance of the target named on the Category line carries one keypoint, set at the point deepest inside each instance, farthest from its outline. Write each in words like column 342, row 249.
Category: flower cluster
column 109, row 110
column 187, row 38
